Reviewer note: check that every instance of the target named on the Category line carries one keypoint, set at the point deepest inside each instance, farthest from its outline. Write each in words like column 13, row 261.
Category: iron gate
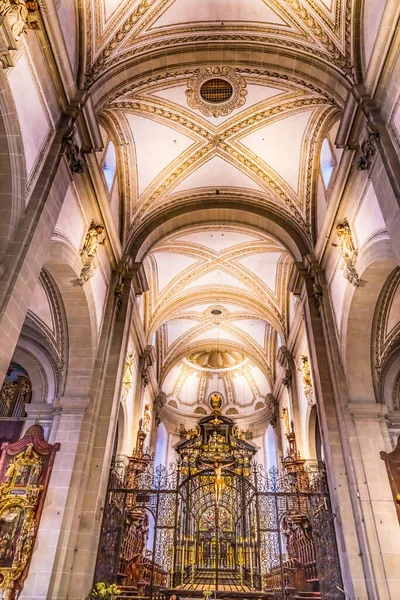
column 280, row 539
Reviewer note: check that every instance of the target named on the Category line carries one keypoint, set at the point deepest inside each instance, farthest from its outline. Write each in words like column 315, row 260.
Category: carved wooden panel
column 392, row 462
column 25, row 468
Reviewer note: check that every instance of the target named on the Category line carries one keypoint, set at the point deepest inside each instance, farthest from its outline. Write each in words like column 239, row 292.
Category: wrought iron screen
column 270, row 534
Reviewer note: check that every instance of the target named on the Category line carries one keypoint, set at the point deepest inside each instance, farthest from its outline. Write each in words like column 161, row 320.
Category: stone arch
column 312, row 73
column 38, row 371
column 12, row 168
column 230, row 210
column 122, row 437
column 374, row 266
column 64, row 267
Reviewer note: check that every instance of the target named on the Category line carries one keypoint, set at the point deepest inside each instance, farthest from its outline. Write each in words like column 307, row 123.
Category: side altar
column 25, row 469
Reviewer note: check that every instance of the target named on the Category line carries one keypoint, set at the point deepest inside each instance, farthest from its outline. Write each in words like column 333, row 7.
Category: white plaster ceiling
column 231, row 269
column 187, row 11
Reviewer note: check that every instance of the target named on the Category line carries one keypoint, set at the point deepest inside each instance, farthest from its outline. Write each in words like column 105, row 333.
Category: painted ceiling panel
column 217, row 240
column 263, row 265
column 169, row 265
column 218, row 277
column 217, row 172
column 187, row 11
column 253, row 327
column 279, row 145
column 178, row 327
column 157, row 145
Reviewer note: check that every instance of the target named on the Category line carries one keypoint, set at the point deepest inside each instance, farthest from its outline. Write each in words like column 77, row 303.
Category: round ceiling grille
column 216, row 90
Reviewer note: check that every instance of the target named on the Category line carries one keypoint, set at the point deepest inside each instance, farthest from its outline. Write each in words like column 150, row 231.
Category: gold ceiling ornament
column 216, row 359
column 216, row 91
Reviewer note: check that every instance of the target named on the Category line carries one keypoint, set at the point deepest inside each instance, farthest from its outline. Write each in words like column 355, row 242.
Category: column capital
column 284, row 357
column 36, row 411
column 368, row 410
column 74, row 404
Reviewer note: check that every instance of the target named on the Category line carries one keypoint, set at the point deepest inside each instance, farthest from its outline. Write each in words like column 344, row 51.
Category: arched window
column 327, row 162
column 15, row 393
column 110, row 165
column 270, row 448
column 161, row 446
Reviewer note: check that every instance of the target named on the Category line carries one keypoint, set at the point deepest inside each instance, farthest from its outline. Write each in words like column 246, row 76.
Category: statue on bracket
column 146, row 418
column 25, row 469
column 307, row 381
column 347, row 250
column 95, row 236
column 21, row 15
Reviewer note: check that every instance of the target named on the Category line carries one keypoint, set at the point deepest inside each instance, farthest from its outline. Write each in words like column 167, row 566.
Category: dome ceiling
column 218, row 359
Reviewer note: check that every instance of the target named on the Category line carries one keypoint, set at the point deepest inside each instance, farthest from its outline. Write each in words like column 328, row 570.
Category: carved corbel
column 8, row 44
column 368, row 151
column 273, row 405
column 72, row 151
column 347, row 250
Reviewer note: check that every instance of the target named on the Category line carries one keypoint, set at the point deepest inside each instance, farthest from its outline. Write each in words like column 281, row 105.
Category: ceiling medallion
column 216, row 91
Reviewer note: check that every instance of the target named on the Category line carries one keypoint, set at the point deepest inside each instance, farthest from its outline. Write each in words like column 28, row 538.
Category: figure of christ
column 219, row 482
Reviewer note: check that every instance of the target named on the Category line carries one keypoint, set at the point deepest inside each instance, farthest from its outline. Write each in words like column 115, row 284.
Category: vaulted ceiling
column 281, row 70
column 217, row 301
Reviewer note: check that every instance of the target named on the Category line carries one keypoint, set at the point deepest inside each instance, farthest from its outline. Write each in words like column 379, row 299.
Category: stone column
column 352, row 549
column 73, row 567
column 374, row 493
column 286, row 360
column 145, row 361
column 367, row 567
column 28, row 252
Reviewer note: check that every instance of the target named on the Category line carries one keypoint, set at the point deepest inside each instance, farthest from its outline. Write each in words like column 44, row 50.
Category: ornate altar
column 217, row 443
column 216, row 520
column 392, row 462
column 25, row 468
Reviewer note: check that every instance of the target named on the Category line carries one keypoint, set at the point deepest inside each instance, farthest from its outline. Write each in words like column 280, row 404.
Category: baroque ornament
column 25, row 469
column 216, row 91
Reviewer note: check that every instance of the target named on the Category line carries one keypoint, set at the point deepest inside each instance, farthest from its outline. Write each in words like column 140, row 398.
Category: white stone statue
column 20, row 15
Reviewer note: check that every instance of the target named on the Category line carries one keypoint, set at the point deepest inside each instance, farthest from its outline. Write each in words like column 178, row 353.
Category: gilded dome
column 216, row 359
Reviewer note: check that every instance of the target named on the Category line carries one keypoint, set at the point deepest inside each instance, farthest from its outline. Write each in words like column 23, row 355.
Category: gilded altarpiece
column 25, row 469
